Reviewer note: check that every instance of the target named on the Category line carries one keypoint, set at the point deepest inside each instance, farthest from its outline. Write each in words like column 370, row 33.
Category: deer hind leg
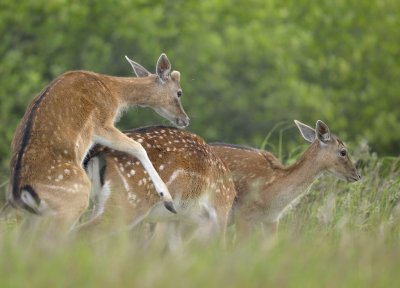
column 270, row 229
column 174, row 235
column 145, row 234
column 162, row 234
column 115, row 139
column 244, row 228
column 65, row 202
column 202, row 224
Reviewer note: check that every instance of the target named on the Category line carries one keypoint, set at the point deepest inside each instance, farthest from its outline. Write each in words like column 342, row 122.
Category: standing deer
column 203, row 191
column 265, row 188
column 76, row 111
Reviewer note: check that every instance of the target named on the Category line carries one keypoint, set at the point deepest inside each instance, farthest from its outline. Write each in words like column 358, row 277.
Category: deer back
column 55, row 130
column 192, row 172
column 251, row 168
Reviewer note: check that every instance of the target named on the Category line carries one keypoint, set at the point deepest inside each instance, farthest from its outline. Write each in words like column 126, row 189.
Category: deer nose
column 182, row 122
column 358, row 176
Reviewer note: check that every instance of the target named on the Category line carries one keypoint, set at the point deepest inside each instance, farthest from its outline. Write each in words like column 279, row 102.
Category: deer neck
column 306, row 169
column 291, row 182
column 133, row 91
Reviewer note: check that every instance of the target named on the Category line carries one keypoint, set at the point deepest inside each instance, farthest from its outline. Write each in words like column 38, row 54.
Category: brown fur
column 78, row 109
column 265, row 187
column 188, row 166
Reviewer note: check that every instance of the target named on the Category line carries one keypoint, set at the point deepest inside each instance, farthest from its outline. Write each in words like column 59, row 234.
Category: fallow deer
column 265, row 188
column 76, row 111
column 200, row 184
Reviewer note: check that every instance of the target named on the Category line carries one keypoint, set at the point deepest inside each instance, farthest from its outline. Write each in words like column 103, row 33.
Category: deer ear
column 163, row 67
column 139, row 70
column 306, row 131
column 322, row 132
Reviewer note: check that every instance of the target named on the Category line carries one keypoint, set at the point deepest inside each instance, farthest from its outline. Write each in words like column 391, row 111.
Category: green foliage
column 246, row 65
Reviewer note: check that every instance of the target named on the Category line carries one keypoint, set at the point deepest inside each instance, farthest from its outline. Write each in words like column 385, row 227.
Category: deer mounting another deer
column 265, row 188
column 76, row 111
column 201, row 186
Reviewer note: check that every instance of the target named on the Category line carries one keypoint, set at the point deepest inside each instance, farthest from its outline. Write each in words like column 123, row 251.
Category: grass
column 339, row 235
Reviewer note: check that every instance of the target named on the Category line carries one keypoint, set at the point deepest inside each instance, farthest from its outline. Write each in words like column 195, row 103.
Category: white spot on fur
column 126, row 185
column 59, row 188
column 175, row 175
column 131, row 196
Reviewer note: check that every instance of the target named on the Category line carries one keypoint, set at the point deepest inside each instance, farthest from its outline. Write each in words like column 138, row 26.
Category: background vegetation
column 246, row 65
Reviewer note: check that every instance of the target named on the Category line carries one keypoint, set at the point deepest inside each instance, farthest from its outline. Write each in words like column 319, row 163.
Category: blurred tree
column 246, row 65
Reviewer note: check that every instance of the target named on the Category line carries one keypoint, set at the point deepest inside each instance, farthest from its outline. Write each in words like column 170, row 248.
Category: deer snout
column 182, row 122
column 354, row 177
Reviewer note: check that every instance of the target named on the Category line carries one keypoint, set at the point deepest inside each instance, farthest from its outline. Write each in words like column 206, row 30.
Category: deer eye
column 343, row 152
column 179, row 93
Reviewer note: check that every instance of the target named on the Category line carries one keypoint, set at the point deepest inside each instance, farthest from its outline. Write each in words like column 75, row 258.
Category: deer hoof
column 170, row 206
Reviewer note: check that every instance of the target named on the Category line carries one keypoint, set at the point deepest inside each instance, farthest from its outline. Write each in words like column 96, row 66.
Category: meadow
column 338, row 235
column 246, row 66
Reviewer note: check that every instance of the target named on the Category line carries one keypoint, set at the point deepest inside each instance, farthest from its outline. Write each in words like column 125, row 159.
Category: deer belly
column 188, row 211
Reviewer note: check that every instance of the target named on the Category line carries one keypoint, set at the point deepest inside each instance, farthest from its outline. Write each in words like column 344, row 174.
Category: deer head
column 331, row 152
column 167, row 92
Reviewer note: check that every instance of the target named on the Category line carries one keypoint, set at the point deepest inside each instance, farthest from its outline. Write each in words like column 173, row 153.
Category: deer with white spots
column 200, row 184
column 266, row 189
column 76, row 111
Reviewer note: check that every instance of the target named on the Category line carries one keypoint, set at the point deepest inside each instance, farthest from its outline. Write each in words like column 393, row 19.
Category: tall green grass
column 338, row 235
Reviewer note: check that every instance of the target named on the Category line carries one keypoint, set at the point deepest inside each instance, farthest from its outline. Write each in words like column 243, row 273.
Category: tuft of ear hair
column 306, row 131
column 163, row 67
column 138, row 69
